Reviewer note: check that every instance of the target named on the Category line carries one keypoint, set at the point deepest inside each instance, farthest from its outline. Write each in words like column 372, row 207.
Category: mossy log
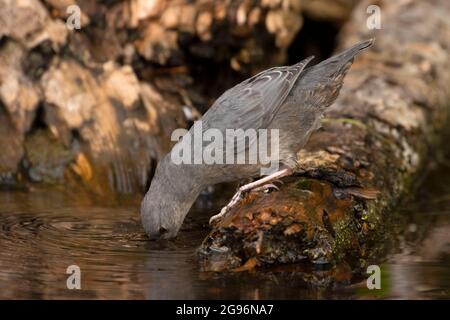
column 373, row 144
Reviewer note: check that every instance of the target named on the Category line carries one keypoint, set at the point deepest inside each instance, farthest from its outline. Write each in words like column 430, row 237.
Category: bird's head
column 161, row 218
column 172, row 192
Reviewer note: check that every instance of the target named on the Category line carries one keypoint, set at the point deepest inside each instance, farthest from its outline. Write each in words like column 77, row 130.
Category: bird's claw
column 218, row 217
column 266, row 187
column 215, row 219
column 239, row 196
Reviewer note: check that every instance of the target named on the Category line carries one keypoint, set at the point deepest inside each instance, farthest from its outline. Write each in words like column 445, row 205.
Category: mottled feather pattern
column 253, row 103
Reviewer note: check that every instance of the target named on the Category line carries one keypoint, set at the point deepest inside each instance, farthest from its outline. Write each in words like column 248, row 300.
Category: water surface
column 44, row 230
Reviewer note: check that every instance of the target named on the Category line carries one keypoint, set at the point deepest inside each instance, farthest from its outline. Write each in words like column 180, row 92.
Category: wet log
column 12, row 150
column 374, row 143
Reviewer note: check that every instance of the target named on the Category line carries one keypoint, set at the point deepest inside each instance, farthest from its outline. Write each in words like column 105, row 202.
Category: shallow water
column 43, row 231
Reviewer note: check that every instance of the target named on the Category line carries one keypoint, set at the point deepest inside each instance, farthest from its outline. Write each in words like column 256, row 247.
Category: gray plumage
column 291, row 99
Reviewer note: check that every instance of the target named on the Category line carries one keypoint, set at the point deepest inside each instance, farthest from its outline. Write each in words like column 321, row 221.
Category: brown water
column 43, row 231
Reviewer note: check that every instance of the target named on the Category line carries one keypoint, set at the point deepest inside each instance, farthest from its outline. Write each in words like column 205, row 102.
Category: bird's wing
column 253, row 103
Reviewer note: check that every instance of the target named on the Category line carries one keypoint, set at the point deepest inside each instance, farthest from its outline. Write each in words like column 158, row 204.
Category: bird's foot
column 234, row 201
column 214, row 220
column 238, row 197
column 261, row 184
column 267, row 187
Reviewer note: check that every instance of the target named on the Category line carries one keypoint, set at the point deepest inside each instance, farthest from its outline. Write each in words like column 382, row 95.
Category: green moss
column 345, row 234
column 303, row 184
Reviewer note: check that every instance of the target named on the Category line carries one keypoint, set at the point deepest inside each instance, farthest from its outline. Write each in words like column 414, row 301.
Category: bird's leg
column 258, row 184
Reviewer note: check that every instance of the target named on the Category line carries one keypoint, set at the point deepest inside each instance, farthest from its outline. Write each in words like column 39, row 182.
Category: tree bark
column 374, row 142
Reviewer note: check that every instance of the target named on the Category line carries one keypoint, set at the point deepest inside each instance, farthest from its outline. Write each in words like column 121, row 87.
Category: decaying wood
column 12, row 150
column 374, row 141
column 110, row 126
column 329, row 10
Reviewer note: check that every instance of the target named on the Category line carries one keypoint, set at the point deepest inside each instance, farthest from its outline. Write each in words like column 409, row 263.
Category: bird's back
column 245, row 108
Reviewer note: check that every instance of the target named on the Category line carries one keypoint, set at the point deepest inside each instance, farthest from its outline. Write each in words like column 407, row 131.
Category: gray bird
column 291, row 99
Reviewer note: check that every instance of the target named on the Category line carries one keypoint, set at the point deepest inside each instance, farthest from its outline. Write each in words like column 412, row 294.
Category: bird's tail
column 350, row 53
column 341, row 62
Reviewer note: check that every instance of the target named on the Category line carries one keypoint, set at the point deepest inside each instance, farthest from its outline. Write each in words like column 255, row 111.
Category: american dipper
column 291, row 99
